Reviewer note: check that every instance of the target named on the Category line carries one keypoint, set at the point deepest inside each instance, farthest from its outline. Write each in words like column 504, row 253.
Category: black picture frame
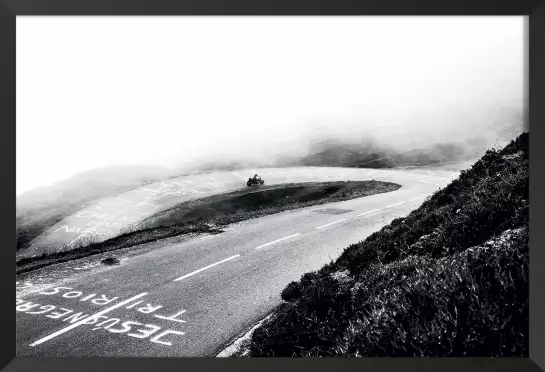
column 534, row 9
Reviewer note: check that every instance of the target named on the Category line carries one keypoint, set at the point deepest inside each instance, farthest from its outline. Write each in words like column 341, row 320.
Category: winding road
column 192, row 296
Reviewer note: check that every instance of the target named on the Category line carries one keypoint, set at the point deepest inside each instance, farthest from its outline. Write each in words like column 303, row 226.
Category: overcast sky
column 99, row 91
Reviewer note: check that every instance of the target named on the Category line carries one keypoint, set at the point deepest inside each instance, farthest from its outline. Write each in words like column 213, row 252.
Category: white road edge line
column 205, row 268
column 396, row 204
column 276, row 241
column 373, row 211
column 391, row 206
column 329, row 224
column 66, row 329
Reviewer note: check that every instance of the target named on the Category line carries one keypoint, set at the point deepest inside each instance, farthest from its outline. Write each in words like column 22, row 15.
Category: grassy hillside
column 224, row 209
column 39, row 209
column 449, row 279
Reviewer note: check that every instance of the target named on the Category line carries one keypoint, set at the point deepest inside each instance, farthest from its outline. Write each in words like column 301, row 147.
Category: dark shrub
column 291, row 292
column 110, row 261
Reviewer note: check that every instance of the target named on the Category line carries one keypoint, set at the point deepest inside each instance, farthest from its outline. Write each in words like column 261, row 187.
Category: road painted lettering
column 104, row 218
column 69, row 292
column 103, row 300
column 99, row 321
column 101, row 232
column 125, row 327
column 145, row 333
column 26, row 306
column 69, row 229
column 73, row 294
column 100, row 313
column 134, row 304
column 149, row 308
column 93, row 320
column 88, row 297
column 140, row 306
column 108, row 323
column 157, row 338
column 43, row 309
column 57, row 315
column 52, row 291
column 75, row 317
column 172, row 317
column 86, row 214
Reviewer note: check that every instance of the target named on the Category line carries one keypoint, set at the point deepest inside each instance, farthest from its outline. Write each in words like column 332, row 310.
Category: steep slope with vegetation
column 449, row 279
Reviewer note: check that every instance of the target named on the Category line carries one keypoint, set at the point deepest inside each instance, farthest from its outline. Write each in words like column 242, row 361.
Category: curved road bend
column 193, row 297
column 110, row 216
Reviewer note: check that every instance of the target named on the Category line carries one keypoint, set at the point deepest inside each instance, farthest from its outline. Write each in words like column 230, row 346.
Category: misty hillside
column 370, row 152
column 456, row 134
column 366, row 155
column 449, row 279
column 38, row 209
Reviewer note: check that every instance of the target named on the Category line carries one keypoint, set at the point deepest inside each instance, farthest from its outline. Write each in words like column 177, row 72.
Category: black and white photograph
column 272, row 186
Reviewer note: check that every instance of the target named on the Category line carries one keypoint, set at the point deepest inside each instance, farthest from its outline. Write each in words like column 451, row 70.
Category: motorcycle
column 255, row 181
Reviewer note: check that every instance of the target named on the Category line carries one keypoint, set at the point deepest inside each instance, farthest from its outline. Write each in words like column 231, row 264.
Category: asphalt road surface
column 111, row 216
column 192, row 296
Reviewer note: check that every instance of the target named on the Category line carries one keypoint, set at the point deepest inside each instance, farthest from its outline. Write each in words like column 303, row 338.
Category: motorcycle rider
column 255, row 180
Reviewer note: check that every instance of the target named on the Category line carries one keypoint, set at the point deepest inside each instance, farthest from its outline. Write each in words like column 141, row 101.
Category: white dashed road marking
column 329, row 224
column 206, row 268
column 276, row 241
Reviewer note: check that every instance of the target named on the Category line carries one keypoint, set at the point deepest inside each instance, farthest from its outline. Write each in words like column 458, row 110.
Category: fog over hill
column 466, row 137
column 457, row 135
column 133, row 100
column 348, row 146
column 466, row 140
